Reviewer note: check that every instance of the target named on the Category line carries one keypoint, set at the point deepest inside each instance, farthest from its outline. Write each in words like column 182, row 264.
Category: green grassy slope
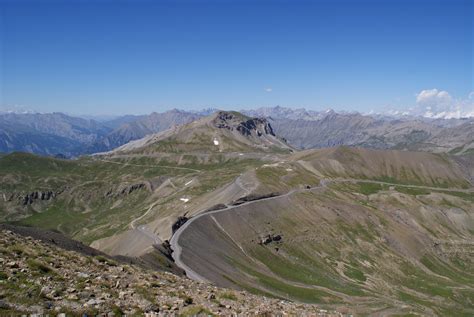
column 374, row 246
column 351, row 245
column 415, row 168
column 93, row 198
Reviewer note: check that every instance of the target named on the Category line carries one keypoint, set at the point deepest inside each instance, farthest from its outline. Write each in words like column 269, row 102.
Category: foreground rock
column 42, row 278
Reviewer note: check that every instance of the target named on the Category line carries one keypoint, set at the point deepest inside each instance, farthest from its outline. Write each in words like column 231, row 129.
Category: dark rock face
column 255, row 124
column 30, row 198
column 244, row 125
column 131, row 188
column 165, row 249
column 224, row 120
column 127, row 190
column 181, row 220
column 253, row 197
column 270, row 238
column 216, row 207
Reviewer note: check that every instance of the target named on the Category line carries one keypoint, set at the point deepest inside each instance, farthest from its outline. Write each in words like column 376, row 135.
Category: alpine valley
column 220, row 212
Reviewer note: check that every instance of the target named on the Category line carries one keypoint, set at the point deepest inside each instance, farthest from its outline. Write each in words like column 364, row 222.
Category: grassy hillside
column 97, row 198
column 374, row 231
column 350, row 244
column 418, row 168
column 386, row 231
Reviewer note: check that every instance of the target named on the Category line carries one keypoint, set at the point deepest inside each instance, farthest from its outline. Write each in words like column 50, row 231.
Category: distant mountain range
column 48, row 134
column 59, row 134
column 326, row 129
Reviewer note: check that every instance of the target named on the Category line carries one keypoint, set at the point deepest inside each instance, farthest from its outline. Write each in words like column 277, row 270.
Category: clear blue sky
column 116, row 57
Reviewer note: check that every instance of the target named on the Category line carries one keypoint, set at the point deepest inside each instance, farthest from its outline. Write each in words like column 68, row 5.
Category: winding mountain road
column 177, row 249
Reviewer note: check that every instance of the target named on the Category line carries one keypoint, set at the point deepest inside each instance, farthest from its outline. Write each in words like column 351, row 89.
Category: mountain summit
column 222, row 131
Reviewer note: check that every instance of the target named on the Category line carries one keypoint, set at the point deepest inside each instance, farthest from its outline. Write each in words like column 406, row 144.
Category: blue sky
column 117, row 57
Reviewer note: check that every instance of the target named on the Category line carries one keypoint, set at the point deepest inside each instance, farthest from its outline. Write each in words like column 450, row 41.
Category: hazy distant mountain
column 59, row 124
column 309, row 129
column 286, row 113
column 143, row 126
column 118, row 121
column 47, row 134
column 57, row 133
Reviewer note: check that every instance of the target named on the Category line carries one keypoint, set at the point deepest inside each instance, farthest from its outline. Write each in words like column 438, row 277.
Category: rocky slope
column 40, row 278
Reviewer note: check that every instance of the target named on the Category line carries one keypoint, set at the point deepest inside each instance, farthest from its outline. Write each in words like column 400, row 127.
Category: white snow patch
column 289, row 170
column 184, row 199
column 271, row 165
column 216, row 142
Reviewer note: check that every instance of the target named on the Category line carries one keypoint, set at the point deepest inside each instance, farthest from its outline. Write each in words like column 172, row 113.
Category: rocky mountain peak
column 245, row 125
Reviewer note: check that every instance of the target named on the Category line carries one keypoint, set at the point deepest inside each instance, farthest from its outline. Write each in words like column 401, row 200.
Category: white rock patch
column 184, row 199
column 216, row 142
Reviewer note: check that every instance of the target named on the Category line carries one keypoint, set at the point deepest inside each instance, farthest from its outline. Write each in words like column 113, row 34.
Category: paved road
column 177, row 249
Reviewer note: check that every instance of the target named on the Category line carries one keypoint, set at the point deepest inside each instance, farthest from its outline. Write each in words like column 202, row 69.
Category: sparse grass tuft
column 196, row 311
column 228, row 295
column 39, row 266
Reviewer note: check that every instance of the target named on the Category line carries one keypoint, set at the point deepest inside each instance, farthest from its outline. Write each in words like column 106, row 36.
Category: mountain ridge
column 51, row 134
column 222, row 131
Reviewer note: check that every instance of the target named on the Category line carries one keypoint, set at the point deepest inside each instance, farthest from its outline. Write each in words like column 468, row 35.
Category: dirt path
column 156, row 165
column 133, row 223
column 354, row 180
column 143, row 229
